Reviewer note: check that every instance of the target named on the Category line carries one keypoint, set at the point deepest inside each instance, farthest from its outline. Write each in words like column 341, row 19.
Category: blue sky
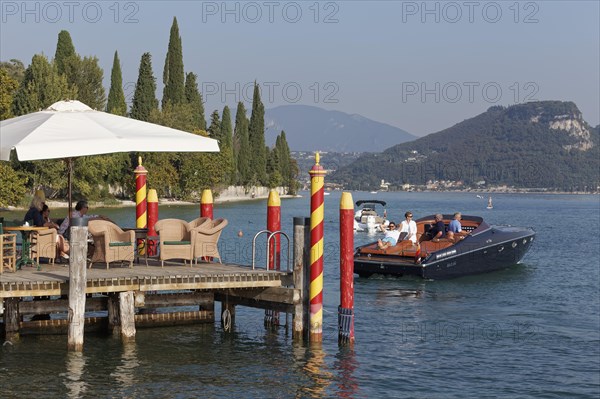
column 421, row 66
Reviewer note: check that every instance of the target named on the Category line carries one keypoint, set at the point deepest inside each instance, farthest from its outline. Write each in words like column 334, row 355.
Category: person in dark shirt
column 437, row 231
column 34, row 214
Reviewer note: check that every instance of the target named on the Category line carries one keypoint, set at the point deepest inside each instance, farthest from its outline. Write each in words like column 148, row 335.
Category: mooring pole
column 273, row 224
column 141, row 204
column 206, row 204
column 317, row 200
column 152, row 219
column 346, row 308
column 77, row 283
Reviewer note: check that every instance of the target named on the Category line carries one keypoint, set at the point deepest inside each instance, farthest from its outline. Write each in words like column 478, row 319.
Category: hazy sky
column 421, row 66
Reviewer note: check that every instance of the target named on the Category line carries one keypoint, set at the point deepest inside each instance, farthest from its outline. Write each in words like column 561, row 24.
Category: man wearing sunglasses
column 391, row 236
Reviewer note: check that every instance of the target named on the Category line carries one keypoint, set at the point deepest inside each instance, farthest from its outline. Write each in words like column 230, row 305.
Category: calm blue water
column 529, row 331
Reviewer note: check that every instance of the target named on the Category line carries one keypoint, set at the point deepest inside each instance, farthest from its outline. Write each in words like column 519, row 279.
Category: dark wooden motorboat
column 485, row 248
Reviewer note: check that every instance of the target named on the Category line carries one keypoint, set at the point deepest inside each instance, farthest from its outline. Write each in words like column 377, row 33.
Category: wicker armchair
column 43, row 244
column 199, row 222
column 111, row 244
column 206, row 238
column 174, row 240
column 8, row 252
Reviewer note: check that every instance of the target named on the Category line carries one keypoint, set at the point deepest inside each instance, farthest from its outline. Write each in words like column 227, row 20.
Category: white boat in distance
column 367, row 218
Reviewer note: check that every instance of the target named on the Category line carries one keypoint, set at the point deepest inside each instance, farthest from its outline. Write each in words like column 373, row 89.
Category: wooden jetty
column 131, row 296
column 29, row 292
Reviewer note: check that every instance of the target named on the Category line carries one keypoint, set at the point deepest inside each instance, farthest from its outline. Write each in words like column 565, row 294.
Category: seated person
column 437, row 232
column 455, row 230
column 34, row 214
column 408, row 228
column 391, row 236
column 62, row 245
column 81, row 210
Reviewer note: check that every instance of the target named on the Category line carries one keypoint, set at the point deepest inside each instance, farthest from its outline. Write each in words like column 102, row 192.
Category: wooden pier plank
column 53, row 279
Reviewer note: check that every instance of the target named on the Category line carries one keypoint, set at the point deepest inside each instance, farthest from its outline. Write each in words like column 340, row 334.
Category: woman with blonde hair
column 34, row 214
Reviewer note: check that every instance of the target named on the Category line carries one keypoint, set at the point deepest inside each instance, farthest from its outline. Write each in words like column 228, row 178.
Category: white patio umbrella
column 69, row 129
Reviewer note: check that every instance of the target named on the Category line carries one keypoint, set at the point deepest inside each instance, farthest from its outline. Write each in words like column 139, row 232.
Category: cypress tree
column 194, row 98
column 226, row 146
column 173, row 74
column 116, row 98
column 214, row 130
column 273, row 167
column 242, row 145
column 64, row 51
column 256, row 133
column 144, row 98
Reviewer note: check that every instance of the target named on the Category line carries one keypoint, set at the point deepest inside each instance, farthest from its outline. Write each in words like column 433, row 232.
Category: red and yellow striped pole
column 317, row 207
column 206, row 204
column 152, row 219
column 346, row 309
column 141, row 216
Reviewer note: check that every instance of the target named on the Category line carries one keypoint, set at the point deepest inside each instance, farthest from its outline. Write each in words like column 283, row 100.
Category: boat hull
column 495, row 249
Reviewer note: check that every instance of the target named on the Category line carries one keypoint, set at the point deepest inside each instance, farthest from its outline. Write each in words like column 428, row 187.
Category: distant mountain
column 310, row 128
column 543, row 144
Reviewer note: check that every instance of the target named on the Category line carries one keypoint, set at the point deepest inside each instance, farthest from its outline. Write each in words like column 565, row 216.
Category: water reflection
column 73, row 381
column 319, row 377
column 124, row 374
column 344, row 366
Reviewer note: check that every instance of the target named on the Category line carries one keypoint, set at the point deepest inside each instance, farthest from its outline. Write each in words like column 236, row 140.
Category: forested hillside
column 534, row 145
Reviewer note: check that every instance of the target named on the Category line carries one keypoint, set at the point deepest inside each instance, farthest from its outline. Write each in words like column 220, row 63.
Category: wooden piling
column 11, row 319
column 114, row 319
column 299, row 256
column 77, row 284
column 127, row 315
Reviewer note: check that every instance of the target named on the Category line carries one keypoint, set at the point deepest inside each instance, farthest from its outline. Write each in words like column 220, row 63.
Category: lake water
column 532, row 330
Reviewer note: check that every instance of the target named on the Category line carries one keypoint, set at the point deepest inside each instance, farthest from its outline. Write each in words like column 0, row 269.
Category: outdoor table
column 26, row 231
column 142, row 241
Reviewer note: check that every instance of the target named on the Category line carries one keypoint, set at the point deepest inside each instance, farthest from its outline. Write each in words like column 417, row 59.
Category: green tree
column 194, row 98
column 173, row 74
column 226, row 147
column 64, row 51
column 273, row 168
column 13, row 187
column 256, row 133
column 87, row 78
column 116, row 98
column 241, row 146
column 41, row 87
column 14, row 68
column 8, row 88
column 144, row 98
column 214, row 130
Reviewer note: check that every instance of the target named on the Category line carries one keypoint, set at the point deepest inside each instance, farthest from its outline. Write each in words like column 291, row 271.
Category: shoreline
column 59, row 204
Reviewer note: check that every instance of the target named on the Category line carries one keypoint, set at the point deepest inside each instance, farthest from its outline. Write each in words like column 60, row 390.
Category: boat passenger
column 408, row 228
column 391, row 236
column 455, row 230
column 437, row 232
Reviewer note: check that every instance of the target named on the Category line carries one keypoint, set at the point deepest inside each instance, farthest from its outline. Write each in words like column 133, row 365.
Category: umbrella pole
column 69, row 185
